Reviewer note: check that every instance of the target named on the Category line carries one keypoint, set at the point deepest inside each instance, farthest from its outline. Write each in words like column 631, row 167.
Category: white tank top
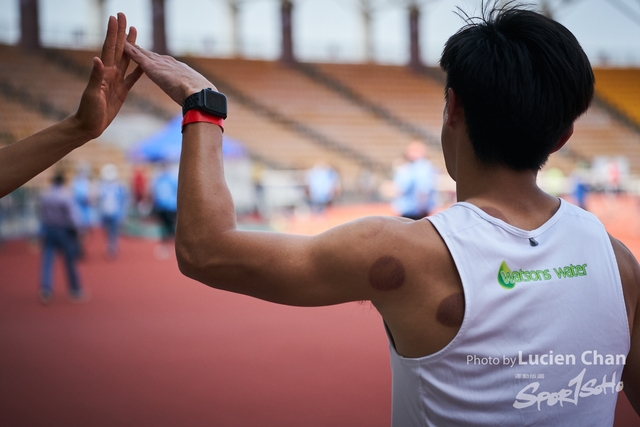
column 545, row 333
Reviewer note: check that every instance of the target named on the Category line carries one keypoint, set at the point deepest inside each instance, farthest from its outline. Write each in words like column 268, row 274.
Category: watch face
column 215, row 102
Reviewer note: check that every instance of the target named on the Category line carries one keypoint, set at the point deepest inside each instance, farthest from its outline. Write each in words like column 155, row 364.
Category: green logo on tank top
column 508, row 278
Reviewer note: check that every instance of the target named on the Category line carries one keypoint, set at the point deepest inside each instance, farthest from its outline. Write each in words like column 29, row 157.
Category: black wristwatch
column 208, row 101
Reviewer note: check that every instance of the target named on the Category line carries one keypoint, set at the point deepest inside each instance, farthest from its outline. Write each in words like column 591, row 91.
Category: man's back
column 544, row 336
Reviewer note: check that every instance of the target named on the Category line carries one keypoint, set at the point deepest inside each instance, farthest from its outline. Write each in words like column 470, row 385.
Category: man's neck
column 512, row 196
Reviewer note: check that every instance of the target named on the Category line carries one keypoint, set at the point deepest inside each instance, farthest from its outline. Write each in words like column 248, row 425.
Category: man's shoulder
column 628, row 266
column 402, row 234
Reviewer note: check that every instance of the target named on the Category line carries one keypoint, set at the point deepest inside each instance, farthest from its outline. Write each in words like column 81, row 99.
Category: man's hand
column 175, row 78
column 108, row 87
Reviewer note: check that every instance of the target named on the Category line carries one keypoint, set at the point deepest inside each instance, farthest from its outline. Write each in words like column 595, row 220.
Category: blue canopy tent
column 166, row 145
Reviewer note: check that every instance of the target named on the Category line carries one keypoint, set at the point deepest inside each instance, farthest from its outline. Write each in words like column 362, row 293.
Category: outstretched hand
column 108, row 86
column 175, row 78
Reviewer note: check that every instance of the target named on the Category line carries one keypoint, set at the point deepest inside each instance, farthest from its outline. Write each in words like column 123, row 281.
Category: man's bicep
column 329, row 268
column 365, row 259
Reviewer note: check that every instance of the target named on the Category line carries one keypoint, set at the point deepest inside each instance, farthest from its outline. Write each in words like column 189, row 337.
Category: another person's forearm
column 22, row 160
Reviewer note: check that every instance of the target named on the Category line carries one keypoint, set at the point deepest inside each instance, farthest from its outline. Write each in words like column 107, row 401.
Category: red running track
column 153, row 348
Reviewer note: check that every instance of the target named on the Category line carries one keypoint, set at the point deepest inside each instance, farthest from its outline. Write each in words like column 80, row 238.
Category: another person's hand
column 101, row 100
column 175, row 78
column 108, row 85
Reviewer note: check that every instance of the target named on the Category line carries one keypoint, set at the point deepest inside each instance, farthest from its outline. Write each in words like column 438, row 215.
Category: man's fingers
column 149, row 54
column 120, row 37
column 133, row 52
column 137, row 54
column 124, row 61
column 109, row 46
column 175, row 78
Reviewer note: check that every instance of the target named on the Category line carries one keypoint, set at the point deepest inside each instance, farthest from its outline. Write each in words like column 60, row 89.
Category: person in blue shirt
column 84, row 195
column 323, row 185
column 414, row 181
column 112, row 203
column 164, row 192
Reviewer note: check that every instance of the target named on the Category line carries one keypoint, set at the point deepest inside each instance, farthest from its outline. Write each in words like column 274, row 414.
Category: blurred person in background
column 6, row 206
column 164, row 192
column 323, row 186
column 139, row 190
column 613, row 177
column 112, row 204
column 368, row 185
column 414, row 182
column 580, row 184
column 84, row 195
column 61, row 224
column 257, row 173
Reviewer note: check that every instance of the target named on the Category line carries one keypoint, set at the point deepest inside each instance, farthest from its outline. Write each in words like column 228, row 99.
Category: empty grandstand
column 291, row 114
column 289, row 117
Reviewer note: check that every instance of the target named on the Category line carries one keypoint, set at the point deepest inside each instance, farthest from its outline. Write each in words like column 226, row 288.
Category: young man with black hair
column 510, row 308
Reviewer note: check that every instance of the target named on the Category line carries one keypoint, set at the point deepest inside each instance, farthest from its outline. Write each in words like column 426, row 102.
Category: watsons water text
column 508, row 278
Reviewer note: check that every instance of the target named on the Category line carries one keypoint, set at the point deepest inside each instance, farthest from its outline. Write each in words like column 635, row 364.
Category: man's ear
column 453, row 111
column 563, row 139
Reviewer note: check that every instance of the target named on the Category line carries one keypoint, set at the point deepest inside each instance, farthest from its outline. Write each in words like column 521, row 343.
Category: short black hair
column 522, row 79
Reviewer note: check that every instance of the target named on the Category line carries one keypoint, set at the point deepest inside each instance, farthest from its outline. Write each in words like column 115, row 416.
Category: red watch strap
column 195, row 115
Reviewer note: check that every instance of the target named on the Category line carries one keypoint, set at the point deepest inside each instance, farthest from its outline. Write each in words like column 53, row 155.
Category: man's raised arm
column 102, row 99
column 344, row 264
